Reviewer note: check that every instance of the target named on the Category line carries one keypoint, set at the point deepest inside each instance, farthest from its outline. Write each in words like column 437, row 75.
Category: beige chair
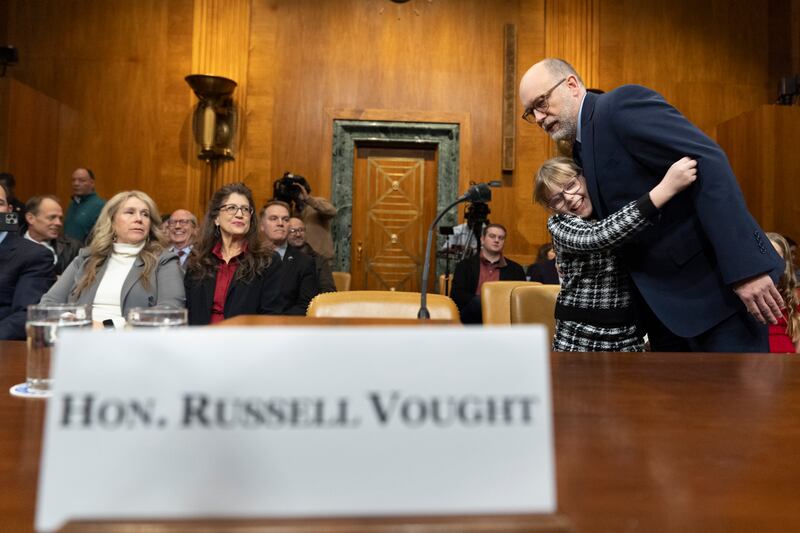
column 445, row 282
column 496, row 301
column 342, row 281
column 535, row 305
column 381, row 304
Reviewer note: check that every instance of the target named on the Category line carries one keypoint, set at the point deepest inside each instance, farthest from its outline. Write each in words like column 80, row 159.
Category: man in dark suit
column 705, row 270
column 297, row 240
column 488, row 265
column 45, row 220
column 298, row 273
column 26, row 272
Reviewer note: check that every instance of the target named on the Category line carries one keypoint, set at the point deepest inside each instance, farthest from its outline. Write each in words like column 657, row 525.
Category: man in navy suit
column 26, row 272
column 705, row 270
column 298, row 273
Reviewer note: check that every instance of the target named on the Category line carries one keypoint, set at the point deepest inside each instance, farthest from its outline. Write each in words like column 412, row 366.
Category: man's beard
column 567, row 130
column 567, row 123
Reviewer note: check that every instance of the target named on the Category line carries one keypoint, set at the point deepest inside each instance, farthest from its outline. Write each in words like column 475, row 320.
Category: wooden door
column 394, row 202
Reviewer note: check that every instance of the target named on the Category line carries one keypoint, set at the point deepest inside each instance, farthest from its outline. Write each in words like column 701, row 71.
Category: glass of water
column 44, row 323
column 157, row 317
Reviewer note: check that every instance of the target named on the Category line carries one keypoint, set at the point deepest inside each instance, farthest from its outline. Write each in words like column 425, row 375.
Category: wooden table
column 644, row 442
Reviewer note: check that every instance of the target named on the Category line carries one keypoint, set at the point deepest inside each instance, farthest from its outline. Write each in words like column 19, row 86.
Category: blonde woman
column 784, row 337
column 594, row 309
column 126, row 264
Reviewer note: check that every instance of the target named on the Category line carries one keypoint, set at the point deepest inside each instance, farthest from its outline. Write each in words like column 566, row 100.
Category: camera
column 476, row 215
column 8, row 56
column 9, row 222
column 286, row 189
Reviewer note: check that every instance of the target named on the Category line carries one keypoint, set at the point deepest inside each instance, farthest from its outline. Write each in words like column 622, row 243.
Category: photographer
column 316, row 212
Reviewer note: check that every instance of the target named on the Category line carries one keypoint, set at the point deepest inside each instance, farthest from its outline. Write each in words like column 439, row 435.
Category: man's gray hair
column 561, row 69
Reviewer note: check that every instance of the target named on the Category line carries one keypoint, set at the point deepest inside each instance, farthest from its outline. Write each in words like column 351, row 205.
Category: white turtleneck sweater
column 108, row 299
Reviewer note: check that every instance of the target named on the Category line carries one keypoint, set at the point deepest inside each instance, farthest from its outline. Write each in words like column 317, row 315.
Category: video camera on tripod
column 476, row 215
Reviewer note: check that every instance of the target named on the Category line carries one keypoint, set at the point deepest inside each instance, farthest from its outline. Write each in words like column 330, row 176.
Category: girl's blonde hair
column 553, row 175
column 787, row 286
column 102, row 237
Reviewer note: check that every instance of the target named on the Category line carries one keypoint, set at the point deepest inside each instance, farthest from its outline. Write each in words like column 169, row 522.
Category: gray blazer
column 166, row 284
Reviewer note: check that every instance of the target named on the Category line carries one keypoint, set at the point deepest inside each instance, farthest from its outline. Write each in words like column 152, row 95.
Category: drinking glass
column 157, row 317
column 44, row 324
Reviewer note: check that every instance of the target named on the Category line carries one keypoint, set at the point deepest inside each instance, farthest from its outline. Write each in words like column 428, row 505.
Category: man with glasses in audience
column 299, row 281
column 297, row 239
column 488, row 265
column 181, row 231
column 704, row 271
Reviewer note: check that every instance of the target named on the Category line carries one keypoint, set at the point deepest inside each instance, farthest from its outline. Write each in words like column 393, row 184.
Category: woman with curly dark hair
column 232, row 270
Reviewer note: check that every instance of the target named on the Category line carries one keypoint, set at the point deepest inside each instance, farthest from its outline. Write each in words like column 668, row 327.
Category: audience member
column 544, row 269
column 595, row 310
column 703, row 277
column 232, row 270
column 488, row 265
column 165, row 223
column 316, row 212
column 45, row 222
column 297, row 239
column 298, row 280
column 126, row 264
column 26, row 273
column 7, row 179
column 85, row 206
column 793, row 249
column 784, row 337
column 181, row 230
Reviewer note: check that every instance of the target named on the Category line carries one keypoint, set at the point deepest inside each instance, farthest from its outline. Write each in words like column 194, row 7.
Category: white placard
column 297, row 422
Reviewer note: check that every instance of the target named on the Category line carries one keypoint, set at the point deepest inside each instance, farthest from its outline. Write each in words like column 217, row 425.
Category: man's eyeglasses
column 558, row 201
column 540, row 103
column 232, row 209
column 175, row 223
column 297, row 230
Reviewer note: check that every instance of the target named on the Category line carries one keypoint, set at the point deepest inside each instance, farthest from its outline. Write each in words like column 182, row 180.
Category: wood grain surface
column 644, row 442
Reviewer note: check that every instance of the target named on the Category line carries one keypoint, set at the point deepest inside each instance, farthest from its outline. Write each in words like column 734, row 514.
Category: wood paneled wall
column 763, row 152
column 101, row 83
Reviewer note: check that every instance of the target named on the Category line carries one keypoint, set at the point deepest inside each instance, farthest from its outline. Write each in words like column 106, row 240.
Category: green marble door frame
column 347, row 134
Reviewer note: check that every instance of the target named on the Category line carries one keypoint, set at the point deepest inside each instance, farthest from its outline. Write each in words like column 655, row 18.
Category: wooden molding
column 390, row 115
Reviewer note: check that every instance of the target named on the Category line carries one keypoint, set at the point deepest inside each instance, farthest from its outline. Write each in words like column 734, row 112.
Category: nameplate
column 297, row 422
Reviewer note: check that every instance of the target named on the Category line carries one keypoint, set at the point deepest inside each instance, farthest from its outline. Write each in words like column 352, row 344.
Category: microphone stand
column 423, row 309
column 477, row 193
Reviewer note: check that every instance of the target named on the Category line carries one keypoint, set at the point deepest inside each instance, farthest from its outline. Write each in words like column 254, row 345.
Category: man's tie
column 576, row 153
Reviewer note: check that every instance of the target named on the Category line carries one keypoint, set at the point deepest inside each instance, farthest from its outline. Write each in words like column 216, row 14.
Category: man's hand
column 303, row 195
column 761, row 298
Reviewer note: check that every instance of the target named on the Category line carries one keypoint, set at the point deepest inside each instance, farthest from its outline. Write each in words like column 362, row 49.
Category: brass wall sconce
column 214, row 119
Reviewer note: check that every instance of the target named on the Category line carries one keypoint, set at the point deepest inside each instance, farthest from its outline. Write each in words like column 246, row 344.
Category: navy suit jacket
column 26, row 272
column 704, row 240
column 298, row 282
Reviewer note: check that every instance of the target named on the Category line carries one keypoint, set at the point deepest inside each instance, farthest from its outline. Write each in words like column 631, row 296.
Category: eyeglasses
column 540, row 103
column 232, row 209
column 297, row 230
column 558, row 201
column 174, row 223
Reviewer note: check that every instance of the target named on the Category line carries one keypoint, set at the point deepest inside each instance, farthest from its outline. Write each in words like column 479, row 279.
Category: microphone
column 477, row 193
